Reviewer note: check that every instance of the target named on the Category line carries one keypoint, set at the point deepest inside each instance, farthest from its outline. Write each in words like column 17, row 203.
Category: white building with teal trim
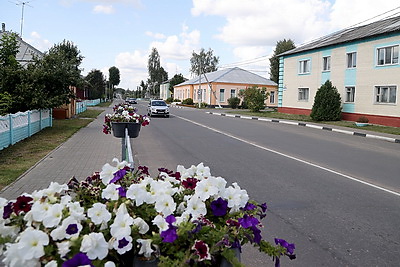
column 362, row 63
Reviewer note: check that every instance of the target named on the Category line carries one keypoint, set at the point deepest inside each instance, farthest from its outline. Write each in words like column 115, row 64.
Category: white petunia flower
column 165, row 204
column 52, row 263
column 202, row 171
column 110, row 192
column 76, row 211
column 236, row 197
column 145, row 248
column 121, row 164
column 63, row 248
column 138, row 193
column 121, row 226
column 107, row 173
column 206, row 188
column 95, row 246
column 53, row 215
column 69, row 228
column 98, row 213
column 109, row 264
column 39, row 210
column 32, row 242
column 196, row 207
column 143, row 226
column 160, row 222
column 13, row 256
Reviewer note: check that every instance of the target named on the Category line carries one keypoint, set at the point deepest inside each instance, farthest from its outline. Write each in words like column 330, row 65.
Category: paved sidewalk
column 81, row 155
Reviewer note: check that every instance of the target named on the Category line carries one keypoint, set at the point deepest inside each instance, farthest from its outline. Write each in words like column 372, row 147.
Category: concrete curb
column 384, row 138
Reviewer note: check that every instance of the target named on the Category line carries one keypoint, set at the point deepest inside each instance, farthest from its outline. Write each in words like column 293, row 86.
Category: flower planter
column 118, row 129
column 361, row 124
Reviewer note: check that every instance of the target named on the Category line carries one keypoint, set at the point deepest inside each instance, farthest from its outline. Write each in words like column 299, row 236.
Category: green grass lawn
column 283, row 116
column 18, row 158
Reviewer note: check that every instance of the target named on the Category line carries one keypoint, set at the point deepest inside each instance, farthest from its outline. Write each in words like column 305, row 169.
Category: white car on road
column 158, row 107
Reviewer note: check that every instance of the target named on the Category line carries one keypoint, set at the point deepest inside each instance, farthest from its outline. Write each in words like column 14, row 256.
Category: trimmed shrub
column 254, row 98
column 234, row 102
column 327, row 104
column 187, row 101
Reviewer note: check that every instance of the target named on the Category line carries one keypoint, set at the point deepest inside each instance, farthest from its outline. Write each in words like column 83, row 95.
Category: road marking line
column 293, row 158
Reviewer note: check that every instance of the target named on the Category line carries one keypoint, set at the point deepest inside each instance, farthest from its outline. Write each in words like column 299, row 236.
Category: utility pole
column 199, row 96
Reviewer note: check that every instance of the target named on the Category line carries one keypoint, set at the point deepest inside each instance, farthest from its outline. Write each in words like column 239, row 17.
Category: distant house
column 362, row 62
column 217, row 87
column 26, row 51
column 164, row 90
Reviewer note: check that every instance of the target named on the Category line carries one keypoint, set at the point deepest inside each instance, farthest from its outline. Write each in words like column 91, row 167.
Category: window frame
column 378, row 96
column 222, row 93
column 392, row 55
column 351, row 60
column 272, row 97
column 304, row 68
column 234, row 93
column 326, row 63
column 306, row 94
column 350, row 92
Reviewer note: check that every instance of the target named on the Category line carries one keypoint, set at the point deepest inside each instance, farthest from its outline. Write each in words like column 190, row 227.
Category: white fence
column 16, row 127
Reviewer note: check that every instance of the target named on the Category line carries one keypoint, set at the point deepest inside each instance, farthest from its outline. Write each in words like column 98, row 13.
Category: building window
column 351, row 60
column 303, row 94
column 388, row 55
column 304, row 66
column 272, row 97
column 385, row 94
column 326, row 64
column 233, row 93
column 221, row 95
column 350, row 93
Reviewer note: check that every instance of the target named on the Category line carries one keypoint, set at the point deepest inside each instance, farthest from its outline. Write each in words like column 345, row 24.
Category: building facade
column 215, row 88
column 361, row 62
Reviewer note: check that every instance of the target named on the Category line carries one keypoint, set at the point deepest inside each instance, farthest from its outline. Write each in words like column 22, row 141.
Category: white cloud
column 348, row 13
column 132, row 67
column 38, row 42
column 155, row 35
column 104, row 9
column 178, row 47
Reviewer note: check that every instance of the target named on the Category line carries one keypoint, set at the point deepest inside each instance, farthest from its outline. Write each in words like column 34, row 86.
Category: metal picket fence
column 21, row 125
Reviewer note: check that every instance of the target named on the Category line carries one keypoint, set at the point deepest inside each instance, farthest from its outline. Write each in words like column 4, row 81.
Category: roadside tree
column 96, row 84
column 281, row 46
column 203, row 62
column 254, row 97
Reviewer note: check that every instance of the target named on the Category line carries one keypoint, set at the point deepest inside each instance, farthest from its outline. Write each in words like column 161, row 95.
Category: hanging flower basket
column 118, row 129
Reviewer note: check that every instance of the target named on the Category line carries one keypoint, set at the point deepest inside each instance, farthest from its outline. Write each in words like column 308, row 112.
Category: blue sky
column 121, row 33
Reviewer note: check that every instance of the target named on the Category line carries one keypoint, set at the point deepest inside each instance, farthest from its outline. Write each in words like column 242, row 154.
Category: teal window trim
column 386, row 45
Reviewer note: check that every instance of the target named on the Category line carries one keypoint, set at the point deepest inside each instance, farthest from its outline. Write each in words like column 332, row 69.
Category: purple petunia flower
column 283, row 243
column 170, row 219
column 248, row 221
column 263, row 207
column 122, row 191
column 190, row 183
column 257, row 234
column 72, row 229
column 118, row 175
column 22, row 204
column 249, row 206
column 202, row 250
column 219, row 207
column 169, row 235
column 80, row 259
column 8, row 209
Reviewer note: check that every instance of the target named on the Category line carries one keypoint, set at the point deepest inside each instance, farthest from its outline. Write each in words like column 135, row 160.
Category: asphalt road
column 337, row 197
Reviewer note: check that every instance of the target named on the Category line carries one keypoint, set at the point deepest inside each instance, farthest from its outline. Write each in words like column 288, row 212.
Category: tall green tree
column 10, row 71
column 327, row 103
column 203, row 62
column 177, row 79
column 114, row 76
column 96, row 84
column 281, row 47
column 157, row 74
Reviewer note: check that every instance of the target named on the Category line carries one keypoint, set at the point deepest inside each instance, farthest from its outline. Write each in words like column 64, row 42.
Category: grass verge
column 283, row 116
column 18, row 158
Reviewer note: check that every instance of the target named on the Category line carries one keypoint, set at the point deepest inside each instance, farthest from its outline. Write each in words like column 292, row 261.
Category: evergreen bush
column 187, row 101
column 327, row 103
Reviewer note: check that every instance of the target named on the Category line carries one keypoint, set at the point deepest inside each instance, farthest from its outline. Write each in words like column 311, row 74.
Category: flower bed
column 187, row 217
